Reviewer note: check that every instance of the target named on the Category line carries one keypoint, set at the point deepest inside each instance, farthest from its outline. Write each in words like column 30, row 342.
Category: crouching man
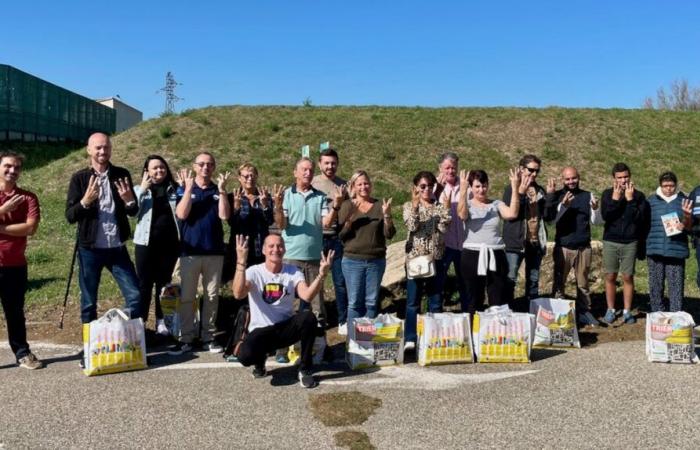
column 271, row 288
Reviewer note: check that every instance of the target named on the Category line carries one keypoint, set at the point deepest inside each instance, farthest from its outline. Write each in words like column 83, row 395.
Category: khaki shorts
column 619, row 258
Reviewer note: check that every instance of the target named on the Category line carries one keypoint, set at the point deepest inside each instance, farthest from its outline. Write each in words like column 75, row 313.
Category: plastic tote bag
column 375, row 342
column 170, row 305
column 670, row 337
column 114, row 343
column 444, row 338
column 555, row 323
column 500, row 335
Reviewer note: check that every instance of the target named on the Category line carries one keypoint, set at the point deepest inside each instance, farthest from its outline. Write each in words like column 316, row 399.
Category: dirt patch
column 340, row 409
column 354, row 440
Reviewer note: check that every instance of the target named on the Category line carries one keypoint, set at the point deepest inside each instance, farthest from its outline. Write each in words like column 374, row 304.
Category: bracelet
column 222, row 192
column 241, row 264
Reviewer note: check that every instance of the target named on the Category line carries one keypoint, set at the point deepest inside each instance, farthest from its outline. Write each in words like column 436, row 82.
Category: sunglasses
column 423, row 187
column 531, row 170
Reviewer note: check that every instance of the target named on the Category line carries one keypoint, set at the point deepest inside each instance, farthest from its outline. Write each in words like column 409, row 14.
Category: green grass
column 391, row 143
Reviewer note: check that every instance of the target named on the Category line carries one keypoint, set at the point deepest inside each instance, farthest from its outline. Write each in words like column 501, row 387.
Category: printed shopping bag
column 170, row 305
column 670, row 337
column 444, row 338
column 114, row 343
column 555, row 323
column 294, row 352
column 375, row 342
column 500, row 335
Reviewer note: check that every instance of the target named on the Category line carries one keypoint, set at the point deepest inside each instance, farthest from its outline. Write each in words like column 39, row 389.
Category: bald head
column 99, row 148
column 570, row 178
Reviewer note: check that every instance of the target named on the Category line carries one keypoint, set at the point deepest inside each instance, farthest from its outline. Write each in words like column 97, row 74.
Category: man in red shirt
column 19, row 218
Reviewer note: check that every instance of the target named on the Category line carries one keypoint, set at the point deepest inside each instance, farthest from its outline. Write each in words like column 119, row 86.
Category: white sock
column 625, row 311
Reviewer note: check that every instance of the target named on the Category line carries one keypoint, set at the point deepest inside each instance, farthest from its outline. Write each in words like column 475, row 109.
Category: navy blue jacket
column 657, row 242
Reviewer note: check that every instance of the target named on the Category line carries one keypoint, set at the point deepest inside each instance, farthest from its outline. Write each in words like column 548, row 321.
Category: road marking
column 64, row 349
column 404, row 377
column 210, row 365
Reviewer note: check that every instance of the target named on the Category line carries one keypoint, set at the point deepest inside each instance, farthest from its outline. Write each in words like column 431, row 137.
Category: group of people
column 285, row 240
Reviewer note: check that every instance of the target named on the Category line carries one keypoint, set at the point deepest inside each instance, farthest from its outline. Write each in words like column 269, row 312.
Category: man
column 624, row 211
column 327, row 182
column 100, row 198
column 19, row 218
column 574, row 210
column 271, row 287
column 695, row 198
column 448, row 187
column 526, row 236
column 201, row 206
column 301, row 212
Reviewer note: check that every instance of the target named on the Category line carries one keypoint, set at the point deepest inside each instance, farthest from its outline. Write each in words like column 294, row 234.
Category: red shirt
column 12, row 247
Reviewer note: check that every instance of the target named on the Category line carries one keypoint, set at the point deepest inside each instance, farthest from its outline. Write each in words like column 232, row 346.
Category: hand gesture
column 185, row 178
column 463, row 180
column 145, row 181
column 687, row 206
column 326, row 261
column 629, row 191
column 339, row 193
column 222, row 181
column 617, row 190
column 237, row 196
column 264, row 197
column 386, row 206
column 440, row 186
column 567, row 199
column 447, row 201
column 594, row 202
column 11, row 204
column 278, row 195
column 124, row 190
column 551, row 185
column 241, row 248
column 92, row 192
column 415, row 196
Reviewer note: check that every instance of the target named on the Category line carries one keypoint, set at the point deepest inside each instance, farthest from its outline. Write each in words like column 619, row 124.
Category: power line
column 169, row 89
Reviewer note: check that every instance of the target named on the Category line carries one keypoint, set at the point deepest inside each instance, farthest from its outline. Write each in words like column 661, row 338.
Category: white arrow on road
column 404, row 377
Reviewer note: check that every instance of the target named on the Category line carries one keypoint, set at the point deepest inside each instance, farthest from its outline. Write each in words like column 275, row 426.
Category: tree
column 680, row 98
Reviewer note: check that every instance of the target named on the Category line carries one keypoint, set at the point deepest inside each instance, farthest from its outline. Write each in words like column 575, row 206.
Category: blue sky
column 449, row 53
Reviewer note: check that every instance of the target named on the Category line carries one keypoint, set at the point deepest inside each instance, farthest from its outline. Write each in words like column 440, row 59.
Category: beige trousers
column 191, row 269
column 564, row 260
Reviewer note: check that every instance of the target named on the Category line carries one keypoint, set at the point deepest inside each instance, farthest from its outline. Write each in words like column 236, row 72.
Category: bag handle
column 112, row 313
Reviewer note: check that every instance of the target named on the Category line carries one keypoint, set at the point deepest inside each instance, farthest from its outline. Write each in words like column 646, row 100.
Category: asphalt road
column 604, row 396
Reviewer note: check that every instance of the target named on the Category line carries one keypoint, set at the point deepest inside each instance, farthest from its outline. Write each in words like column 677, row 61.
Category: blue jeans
column 697, row 257
column 452, row 256
column 415, row 289
column 533, row 259
column 117, row 261
column 363, row 278
column 341, row 294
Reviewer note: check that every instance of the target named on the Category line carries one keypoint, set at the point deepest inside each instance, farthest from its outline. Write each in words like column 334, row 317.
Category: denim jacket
column 143, row 217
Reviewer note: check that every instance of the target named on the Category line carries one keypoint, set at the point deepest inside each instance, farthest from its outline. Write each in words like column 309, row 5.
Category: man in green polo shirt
column 301, row 212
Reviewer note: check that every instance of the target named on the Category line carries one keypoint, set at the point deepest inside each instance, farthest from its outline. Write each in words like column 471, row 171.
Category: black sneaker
column 81, row 360
column 259, row 372
column 180, row 348
column 307, row 380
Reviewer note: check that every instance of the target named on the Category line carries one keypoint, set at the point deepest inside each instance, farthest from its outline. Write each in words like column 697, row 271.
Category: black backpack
column 240, row 331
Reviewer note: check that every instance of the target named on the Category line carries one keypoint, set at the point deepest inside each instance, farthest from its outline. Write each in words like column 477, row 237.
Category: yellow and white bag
column 114, row 343
column 170, row 305
column 375, row 342
column 501, row 335
column 444, row 338
column 670, row 337
column 555, row 323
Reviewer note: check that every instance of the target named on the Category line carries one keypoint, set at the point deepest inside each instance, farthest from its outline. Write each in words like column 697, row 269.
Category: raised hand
column 551, row 185
column 145, row 181
column 92, row 192
column 440, row 186
column 124, row 190
column 237, row 196
column 185, row 178
column 264, row 197
column 326, row 261
column 241, row 248
column 415, row 196
column 629, row 191
column 567, row 199
column 386, row 207
column 594, row 202
column 463, row 180
column 11, row 204
column 339, row 193
column 687, row 206
column 222, row 180
column 278, row 194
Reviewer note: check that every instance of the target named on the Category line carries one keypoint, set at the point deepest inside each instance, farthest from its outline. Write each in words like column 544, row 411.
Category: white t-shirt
column 271, row 295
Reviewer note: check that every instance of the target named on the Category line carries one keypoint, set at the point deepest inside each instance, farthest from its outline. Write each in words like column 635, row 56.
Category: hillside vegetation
column 392, row 144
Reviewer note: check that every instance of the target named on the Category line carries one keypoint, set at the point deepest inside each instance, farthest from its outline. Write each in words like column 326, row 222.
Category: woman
column 156, row 237
column 251, row 216
column 484, row 264
column 426, row 221
column 667, row 242
column 365, row 226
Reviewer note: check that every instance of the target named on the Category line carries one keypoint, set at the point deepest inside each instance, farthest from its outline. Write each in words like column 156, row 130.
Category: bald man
column 100, row 197
column 575, row 210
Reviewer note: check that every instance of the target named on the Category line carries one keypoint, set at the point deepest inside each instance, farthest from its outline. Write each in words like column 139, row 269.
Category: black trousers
column 261, row 341
column 13, row 285
column 494, row 283
column 154, row 266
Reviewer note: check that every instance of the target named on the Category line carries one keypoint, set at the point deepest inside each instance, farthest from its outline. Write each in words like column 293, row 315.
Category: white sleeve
column 596, row 216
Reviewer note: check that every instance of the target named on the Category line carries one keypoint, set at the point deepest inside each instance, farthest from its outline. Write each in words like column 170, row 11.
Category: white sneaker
column 213, row 347
column 408, row 346
column 343, row 329
column 161, row 328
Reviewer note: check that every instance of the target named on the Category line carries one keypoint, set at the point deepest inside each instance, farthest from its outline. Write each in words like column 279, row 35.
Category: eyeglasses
column 423, row 187
column 203, row 164
column 531, row 170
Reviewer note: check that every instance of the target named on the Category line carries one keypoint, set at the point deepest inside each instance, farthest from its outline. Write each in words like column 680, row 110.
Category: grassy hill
column 392, row 144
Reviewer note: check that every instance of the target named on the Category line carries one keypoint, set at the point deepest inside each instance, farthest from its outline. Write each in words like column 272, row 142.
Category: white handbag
column 420, row 267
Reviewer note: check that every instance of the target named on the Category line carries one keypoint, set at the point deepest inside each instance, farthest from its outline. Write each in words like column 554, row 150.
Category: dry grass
column 341, row 409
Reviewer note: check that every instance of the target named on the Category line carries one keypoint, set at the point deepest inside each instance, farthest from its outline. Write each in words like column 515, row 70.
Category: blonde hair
column 353, row 179
column 248, row 166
